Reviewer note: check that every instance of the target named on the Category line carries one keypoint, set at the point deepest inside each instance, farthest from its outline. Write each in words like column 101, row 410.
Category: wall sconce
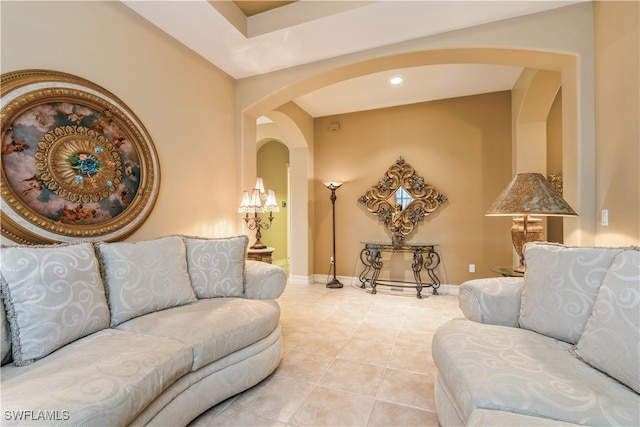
column 252, row 204
column 333, row 186
column 528, row 194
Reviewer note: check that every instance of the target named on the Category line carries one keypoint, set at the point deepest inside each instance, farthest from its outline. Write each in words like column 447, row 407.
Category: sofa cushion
column 611, row 339
column 105, row 379
column 53, row 295
column 143, row 277
column 216, row 266
column 212, row 328
column 516, row 370
column 560, row 287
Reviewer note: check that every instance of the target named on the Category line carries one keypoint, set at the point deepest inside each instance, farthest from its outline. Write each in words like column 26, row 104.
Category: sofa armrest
column 263, row 280
column 494, row 301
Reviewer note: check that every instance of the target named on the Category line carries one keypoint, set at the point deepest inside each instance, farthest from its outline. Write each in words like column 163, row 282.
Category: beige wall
column 617, row 47
column 186, row 104
column 461, row 146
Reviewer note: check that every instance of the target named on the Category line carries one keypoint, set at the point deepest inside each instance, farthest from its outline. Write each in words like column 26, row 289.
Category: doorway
column 273, row 166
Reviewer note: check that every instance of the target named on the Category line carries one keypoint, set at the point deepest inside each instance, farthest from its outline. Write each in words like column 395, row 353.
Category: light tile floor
column 350, row 359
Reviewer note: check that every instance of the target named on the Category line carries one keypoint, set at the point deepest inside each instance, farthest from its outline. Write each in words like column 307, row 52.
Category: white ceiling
column 313, row 30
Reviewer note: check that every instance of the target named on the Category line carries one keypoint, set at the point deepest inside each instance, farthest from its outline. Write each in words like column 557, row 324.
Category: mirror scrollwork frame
column 77, row 164
column 401, row 199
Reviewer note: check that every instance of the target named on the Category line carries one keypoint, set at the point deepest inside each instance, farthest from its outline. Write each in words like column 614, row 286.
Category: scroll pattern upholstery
column 199, row 390
column 238, row 323
column 520, row 371
column 143, row 277
column 492, row 300
column 615, row 323
column 561, row 284
column 492, row 374
column 88, row 383
column 53, row 296
column 216, row 266
column 185, row 355
column 264, row 281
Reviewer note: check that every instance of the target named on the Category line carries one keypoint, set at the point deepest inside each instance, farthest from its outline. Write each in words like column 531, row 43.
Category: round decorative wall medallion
column 77, row 164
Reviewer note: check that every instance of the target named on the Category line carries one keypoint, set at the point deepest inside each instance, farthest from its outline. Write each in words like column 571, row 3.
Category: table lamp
column 528, row 194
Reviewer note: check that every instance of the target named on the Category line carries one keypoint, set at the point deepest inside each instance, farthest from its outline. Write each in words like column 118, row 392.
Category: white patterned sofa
column 560, row 346
column 134, row 333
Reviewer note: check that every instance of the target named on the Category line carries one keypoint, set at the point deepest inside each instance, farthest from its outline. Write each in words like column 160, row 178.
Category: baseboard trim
column 301, row 280
column 444, row 289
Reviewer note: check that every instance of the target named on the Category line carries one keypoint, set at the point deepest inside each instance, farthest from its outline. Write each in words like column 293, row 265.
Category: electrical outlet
column 331, row 260
column 605, row 217
column 472, row 268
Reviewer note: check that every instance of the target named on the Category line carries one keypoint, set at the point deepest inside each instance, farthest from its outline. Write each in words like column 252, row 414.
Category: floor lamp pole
column 333, row 186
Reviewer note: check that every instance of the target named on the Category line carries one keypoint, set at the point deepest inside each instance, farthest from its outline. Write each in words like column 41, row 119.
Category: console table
column 424, row 255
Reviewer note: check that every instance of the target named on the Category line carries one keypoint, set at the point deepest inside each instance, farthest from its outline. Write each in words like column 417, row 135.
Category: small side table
column 263, row 255
column 507, row 272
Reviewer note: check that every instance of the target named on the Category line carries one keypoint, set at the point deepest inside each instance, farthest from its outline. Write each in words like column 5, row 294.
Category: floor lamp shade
column 528, row 194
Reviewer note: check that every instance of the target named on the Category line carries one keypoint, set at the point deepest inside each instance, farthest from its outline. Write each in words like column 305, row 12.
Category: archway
column 288, row 131
column 576, row 180
column 273, row 167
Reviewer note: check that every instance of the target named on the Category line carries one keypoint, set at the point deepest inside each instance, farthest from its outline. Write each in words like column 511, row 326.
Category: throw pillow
column 143, row 277
column 610, row 341
column 216, row 266
column 560, row 287
column 53, row 295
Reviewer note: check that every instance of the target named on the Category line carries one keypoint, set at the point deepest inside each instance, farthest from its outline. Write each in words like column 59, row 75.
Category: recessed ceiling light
column 396, row 80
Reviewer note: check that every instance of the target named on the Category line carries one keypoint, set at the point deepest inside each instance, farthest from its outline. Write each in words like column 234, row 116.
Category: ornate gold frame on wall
column 77, row 164
column 399, row 219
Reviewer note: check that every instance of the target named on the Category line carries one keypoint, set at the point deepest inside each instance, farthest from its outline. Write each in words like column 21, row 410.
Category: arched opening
column 290, row 133
column 273, row 166
column 559, row 68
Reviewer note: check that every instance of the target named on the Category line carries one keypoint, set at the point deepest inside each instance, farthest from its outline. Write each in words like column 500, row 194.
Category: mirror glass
column 401, row 199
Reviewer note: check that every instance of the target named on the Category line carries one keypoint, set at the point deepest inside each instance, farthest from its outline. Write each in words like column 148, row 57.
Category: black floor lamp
column 333, row 186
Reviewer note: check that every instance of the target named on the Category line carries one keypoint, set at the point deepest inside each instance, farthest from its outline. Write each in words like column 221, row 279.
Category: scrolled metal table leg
column 376, row 262
column 432, row 262
column 416, row 266
column 364, row 258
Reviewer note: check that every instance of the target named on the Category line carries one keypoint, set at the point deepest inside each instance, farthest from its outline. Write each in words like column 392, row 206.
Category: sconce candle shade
column 255, row 202
column 246, row 201
column 259, row 185
column 271, row 204
column 528, row 194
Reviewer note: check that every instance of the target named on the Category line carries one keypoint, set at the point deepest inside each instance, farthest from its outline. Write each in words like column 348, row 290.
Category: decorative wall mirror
column 401, row 199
